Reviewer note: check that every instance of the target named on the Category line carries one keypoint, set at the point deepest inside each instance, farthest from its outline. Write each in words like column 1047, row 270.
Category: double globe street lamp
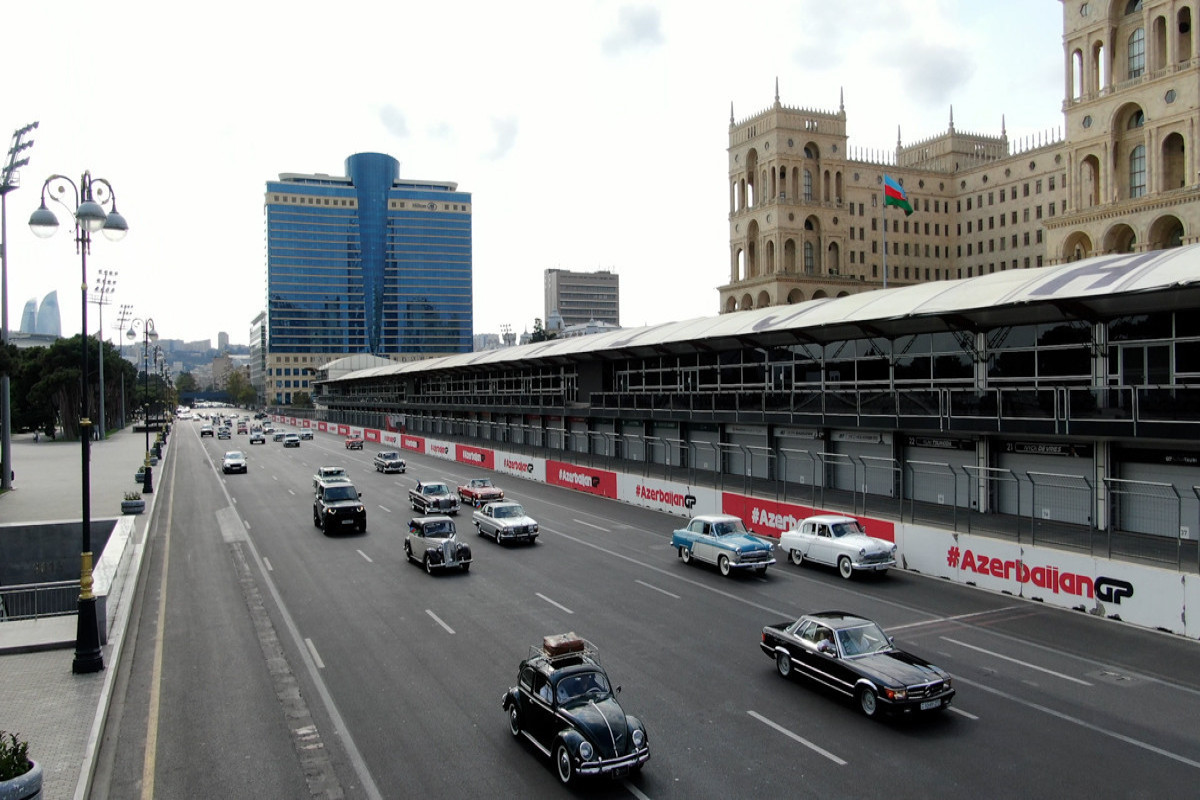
column 149, row 334
column 86, row 202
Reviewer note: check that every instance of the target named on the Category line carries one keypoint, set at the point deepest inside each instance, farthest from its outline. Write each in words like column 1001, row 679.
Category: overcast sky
column 591, row 134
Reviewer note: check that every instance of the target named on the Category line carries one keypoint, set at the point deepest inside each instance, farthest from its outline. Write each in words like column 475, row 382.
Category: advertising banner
column 583, row 479
column 439, row 448
column 476, row 456
column 1145, row 596
column 415, row 444
column 671, row 498
column 520, row 465
column 389, row 438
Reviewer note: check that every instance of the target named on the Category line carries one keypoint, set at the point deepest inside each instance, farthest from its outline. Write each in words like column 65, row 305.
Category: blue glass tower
column 367, row 263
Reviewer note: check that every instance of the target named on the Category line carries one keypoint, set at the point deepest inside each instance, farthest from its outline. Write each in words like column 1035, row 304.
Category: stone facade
column 806, row 214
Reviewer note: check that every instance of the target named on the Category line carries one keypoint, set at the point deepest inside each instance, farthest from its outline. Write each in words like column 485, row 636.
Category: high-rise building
column 807, row 217
column 581, row 297
column 42, row 319
column 222, row 341
column 363, row 263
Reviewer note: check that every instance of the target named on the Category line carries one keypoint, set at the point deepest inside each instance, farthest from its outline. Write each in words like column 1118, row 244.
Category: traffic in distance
column 583, row 731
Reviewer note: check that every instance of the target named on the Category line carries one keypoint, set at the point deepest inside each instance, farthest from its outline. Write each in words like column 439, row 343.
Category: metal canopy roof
column 1096, row 288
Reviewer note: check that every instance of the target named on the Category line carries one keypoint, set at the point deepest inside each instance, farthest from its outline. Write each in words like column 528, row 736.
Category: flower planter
column 133, row 506
column 23, row 787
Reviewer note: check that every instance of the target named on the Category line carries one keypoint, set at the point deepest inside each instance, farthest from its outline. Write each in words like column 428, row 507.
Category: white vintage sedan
column 840, row 542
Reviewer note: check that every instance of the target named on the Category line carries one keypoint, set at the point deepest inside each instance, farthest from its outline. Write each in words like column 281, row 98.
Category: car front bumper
column 917, row 705
column 873, row 566
column 615, row 767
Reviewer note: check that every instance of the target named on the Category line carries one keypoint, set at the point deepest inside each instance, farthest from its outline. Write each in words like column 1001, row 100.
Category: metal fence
column 1122, row 519
column 35, row 600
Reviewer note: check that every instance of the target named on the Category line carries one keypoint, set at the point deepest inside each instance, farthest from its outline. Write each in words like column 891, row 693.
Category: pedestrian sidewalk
column 59, row 713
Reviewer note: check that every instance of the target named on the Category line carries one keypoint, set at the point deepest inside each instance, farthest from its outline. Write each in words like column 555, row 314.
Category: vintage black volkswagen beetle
column 564, row 704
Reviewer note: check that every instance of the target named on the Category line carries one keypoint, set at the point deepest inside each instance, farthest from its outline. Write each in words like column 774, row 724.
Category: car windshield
column 436, row 488
column 726, row 527
column 329, row 472
column 389, row 456
column 481, row 483
column 509, row 511
column 343, row 492
column 841, row 529
column 582, row 686
column 233, row 456
column 863, row 639
column 439, row 530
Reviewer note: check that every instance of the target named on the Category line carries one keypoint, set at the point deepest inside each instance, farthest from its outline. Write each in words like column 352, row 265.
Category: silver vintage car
column 838, row 541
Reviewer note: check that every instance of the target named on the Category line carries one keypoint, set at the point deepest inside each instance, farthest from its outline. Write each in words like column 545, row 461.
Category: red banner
column 584, row 479
column 414, row 443
column 477, row 456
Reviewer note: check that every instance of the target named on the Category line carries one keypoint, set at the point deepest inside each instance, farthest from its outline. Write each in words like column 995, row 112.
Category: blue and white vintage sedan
column 723, row 540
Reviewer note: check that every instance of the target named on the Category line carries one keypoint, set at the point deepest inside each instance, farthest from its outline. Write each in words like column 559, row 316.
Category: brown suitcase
column 562, row 644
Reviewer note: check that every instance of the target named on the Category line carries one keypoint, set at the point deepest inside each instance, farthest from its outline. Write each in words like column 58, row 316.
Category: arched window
column 1133, row 6
column 1136, row 120
column 1137, row 172
column 1137, row 53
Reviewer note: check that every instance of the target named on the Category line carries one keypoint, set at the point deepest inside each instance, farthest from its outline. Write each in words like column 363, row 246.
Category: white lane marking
column 385, row 508
column 590, row 525
column 951, row 619
column 655, row 588
column 439, row 621
column 798, row 738
column 364, row 555
column 246, row 522
column 312, row 649
column 267, row 564
column 1015, row 661
column 1083, row 724
column 636, row 792
column 235, row 501
column 551, row 602
column 962, row 713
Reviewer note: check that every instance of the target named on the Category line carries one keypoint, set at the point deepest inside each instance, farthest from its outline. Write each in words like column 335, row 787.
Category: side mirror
column 618, row 689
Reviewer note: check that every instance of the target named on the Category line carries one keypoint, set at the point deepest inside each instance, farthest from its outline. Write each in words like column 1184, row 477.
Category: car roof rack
column 564, row 650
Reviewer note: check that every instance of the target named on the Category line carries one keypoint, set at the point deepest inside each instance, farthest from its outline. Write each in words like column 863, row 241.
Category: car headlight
column 638, row 737
column 585, row 751
column 895, row 694
column 861, row 552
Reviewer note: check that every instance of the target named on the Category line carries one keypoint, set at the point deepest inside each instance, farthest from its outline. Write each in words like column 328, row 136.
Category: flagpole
column 883, row 218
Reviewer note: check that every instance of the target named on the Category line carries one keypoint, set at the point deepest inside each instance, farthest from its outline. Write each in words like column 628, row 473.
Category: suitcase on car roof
column 562, row 644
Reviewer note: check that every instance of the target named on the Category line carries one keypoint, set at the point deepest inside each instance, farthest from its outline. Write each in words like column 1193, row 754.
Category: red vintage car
column 479, row 491
column 354, row 443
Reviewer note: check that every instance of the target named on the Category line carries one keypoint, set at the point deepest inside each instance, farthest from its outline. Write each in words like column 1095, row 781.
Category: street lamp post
column 122, row 315
column 148, row 334
column 9, row 180
column 89, row 198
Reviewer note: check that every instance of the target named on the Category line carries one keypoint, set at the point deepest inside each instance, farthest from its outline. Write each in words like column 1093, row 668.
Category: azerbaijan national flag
column 893, row 195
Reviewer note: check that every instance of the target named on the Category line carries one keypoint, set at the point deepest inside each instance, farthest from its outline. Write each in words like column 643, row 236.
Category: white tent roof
column 1102, row 286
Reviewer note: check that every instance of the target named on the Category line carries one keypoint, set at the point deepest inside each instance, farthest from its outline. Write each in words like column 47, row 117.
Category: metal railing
column 37, row 600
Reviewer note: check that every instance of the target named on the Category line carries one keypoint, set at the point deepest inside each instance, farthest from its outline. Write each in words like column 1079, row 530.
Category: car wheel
column 723, row 565
column 407, row 551
column 466, row 566
column 428, row 566
column 562, row 760
column 845, row 569
column 316, row 519
column 867, row 701
column 783, row 663
column 797, row 557
column 514, row 720
column 686, row 555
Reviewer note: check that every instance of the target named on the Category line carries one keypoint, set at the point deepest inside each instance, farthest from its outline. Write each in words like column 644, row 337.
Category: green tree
column 301, row 400
column 186, row 383
column 241, row 392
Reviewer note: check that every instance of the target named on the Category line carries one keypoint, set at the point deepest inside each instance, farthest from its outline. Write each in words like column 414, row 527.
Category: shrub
column 132, row 496
column 14, row 756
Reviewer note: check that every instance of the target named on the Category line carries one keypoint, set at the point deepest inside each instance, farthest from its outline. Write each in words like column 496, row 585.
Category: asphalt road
column 275, row 662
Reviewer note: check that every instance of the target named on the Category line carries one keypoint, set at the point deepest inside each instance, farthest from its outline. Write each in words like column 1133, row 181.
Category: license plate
column 619, row 772
column 929, row 705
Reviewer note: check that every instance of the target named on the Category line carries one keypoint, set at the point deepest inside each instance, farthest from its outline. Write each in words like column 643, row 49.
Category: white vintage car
column 840, row 542
column 432, row 542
